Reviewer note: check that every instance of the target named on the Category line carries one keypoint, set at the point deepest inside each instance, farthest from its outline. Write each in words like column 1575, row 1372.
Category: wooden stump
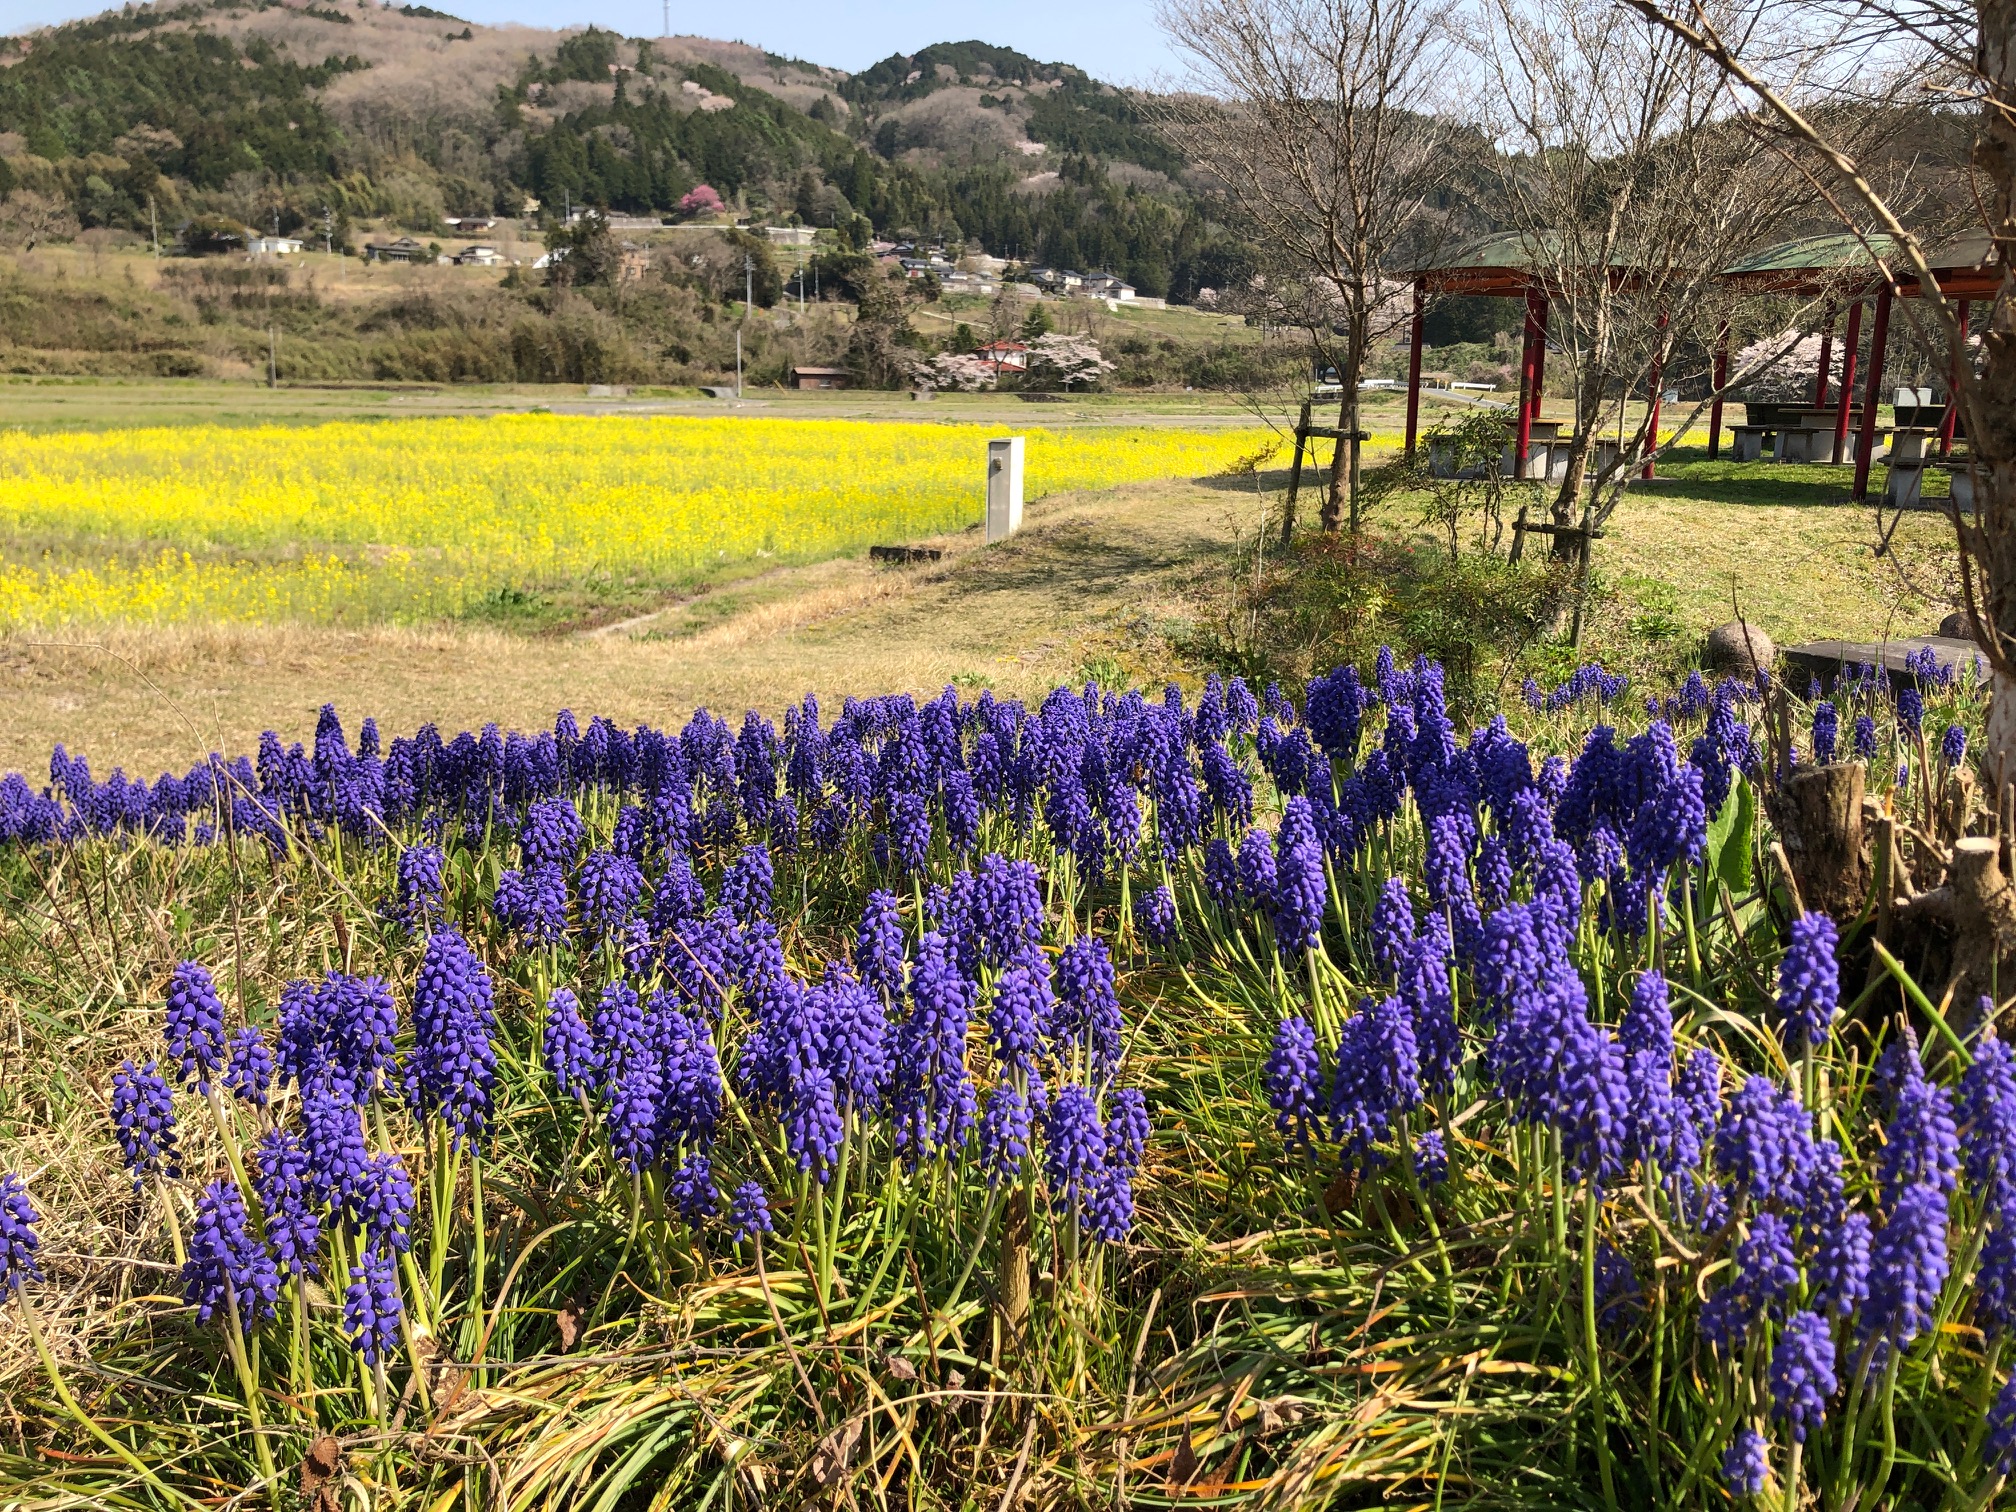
column 1818, row 816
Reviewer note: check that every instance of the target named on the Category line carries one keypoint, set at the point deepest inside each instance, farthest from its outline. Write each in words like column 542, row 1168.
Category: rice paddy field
column 414, row 521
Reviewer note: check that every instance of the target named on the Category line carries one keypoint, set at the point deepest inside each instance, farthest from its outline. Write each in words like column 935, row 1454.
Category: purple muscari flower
column 1865, row 738
column 631, row 1090
column 1618, row 1293
column 1127, row 1127
column 693, row 1189
column 1764, row 1143
column 962, row 812
column 1424, row 987
column 372, row 1306
column 143, row 1116
column 250, row 1070
column 749, row 1212
column 1840, row 1271
column 855, row 1028
column 697, row 958
column 534, row 902
column 878, row 947
column 1671, row 826
column 1004, row 1133
column 1910, row 710
column 690, row 1090
column 611, row 884
column 1155, row 915
column 1494, row 872
column 383, row 1202
column 18, row 1240
column 1920, row 1143
column 1745, row 1467
column 746, row 885
column 1826, row 732
column 1088, row 1005
column 550, row 834
column 568, row 1051
column 1294, row 1078
column 228, row 1264
column 1377, row 1076
column 1953, row 747
column 813, row 1129
column 333, row 1131
column 1257, row 878
column 909, row 831
column 1008, row 910
column 1301, row 891
column 1988, row 1113
column 1445, row 865
column 1809, row 982
column 1907, row 1267
column 1109, row 1215
column 1646, row 1036
column 1074, row 1146
column 618, row 1028
column 285, row 1185
column 678, row 896
column 419, row 884
column 195, row 1025
column 1221, row 873
column 453, row 1061
column 1018, row 1016
column 1431, row 1158
column 1392, row 928
column 934, row 1095
column 2000, row 1450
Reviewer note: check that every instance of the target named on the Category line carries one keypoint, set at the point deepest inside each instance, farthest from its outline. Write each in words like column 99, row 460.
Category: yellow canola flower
column 413, row 519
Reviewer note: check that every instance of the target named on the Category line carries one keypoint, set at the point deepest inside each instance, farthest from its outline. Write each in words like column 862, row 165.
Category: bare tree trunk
column 1991, row 418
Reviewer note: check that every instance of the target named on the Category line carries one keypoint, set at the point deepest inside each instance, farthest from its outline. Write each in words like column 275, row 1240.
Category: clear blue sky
column 1115, row 40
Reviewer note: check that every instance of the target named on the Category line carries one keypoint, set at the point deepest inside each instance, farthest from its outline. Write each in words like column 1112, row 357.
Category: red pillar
column 1848, row 346
column 1414, row 372
column 1652, row 420
column 1865, row 442
column 1952, row 416
column 1826, row 357
column 1721, row 378
column 1528, row 383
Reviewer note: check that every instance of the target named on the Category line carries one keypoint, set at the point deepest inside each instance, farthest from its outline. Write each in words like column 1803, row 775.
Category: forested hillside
column 287, row 115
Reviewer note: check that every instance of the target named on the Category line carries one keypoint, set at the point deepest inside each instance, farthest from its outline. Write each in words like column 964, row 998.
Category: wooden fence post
column 1295, row 478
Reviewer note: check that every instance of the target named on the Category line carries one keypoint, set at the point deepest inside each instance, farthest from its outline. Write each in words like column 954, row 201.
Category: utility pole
column 154, row 227
column 667, row 31
column 328, row 232
column 272, row 357
column 748, row 297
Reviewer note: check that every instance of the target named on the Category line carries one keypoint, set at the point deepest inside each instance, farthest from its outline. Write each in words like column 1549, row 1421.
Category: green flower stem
column 1592, row 1346
column 248, row 1383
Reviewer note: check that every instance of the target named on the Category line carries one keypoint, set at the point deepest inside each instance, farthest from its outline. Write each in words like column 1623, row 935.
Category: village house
column 404, row 250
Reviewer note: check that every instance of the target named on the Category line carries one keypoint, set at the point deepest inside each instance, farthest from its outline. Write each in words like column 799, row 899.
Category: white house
column 1106, row 286
column 479, row 257
column 276, row 246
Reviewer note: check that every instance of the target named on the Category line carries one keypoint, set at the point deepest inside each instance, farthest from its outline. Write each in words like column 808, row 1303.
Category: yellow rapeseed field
column 419, row 519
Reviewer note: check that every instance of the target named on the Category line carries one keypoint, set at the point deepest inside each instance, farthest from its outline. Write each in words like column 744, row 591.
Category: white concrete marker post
column 1004, row 488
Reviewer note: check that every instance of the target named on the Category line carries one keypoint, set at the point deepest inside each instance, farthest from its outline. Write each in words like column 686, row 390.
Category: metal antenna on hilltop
column 668, row 20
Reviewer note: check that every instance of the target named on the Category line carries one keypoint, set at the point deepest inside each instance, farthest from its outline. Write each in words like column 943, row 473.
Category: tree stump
column 1818, row 816
column 1984, row 925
